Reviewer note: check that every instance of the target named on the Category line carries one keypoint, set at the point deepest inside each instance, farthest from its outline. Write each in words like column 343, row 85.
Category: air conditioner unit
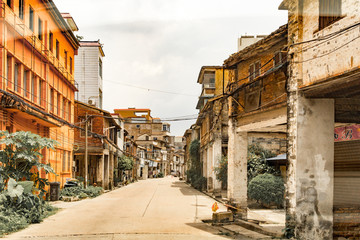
column 91, row 102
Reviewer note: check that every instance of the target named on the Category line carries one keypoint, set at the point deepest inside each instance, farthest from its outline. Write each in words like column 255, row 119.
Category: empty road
column 152, row 209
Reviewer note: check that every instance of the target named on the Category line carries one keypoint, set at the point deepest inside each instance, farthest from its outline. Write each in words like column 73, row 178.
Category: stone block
column 221, row 217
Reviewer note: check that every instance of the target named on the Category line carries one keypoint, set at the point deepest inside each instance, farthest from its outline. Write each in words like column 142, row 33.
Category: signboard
column 347, row 133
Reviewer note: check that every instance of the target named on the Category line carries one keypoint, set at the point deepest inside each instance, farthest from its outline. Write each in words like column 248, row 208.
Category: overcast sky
column 162, row 44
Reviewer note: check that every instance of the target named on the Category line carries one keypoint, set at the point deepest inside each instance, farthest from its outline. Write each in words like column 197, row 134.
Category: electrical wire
column 150, row 89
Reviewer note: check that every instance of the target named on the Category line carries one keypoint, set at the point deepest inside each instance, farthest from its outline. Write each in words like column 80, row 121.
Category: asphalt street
column 150, row 209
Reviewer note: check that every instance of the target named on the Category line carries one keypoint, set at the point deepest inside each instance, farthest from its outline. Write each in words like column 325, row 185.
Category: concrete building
column 89, row 73
column 103, row 149
column 257, row 108
column 212, row 121
column 37, row 87
column 153, row 139
column 323, row 185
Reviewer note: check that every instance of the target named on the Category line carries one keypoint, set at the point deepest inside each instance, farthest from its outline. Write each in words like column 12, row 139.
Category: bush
column 222, row 171
column 160, row 175
column 267, row 189
column 257, row 164
column 81, row 192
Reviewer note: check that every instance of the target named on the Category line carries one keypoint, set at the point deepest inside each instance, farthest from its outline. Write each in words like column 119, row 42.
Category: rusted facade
column 256, row 105
column 323, row 92
column 37, row 85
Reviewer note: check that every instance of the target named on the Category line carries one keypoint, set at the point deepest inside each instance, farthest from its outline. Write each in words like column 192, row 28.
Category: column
column 100, row 172
column 106, row 171
column 237, row 169
column 145, row 171
column 310, row 173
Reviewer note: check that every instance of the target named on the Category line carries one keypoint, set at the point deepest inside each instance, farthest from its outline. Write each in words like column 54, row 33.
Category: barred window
column 329, row 12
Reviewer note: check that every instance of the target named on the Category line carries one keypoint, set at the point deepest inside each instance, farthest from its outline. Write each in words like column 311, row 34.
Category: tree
column 20, row 159
column 195, row 172
column 222, row 171
column 126, row 163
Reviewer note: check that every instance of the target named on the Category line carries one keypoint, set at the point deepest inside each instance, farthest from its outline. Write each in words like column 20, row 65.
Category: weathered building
column 212, row 121
column 102, row 149
column 323, row 92
column 89, row 73
column 37, row 86
column 153, row 136
column 256, row 105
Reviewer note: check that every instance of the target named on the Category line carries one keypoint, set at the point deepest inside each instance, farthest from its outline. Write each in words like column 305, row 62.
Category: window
column 66, row 57
column 52, row 100
column 100, row 68
column 33, row 88
column 64, row 161
column 64, row 108
column 69, row 161
column 40, row 92
column 279, row 58
column 329, row 12
column 71, row 65
column 9, row 71
column 166, row 128
column 31, row 19
column 254, row 70
column 57, row 49
column 58, row 104
column 40, row 35
column 9, row 3
column 16, row 77
column 21, row 9
column 69, row 111
column 100, row 98
column 51, row 42
column 26, row 83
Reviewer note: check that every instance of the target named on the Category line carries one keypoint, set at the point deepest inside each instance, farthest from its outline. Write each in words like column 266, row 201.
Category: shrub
column 256, row 162
column 93, row 192
column 160, row 175
column 81, row 192
column 267, row 189
column 222, row 171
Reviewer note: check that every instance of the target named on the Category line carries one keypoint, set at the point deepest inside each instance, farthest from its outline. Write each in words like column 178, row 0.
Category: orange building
column 37, row 86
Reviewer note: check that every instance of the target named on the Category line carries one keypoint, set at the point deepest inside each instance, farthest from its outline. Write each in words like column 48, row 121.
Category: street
column 152, row 209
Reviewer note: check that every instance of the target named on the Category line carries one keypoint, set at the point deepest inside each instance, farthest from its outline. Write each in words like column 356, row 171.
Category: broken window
column 254, row 70
column 329, row 12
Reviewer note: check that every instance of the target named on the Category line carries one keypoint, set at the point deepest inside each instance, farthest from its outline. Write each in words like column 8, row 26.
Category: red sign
column 347, row 133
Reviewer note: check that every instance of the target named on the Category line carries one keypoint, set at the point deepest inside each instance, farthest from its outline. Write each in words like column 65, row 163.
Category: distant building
column 89, row 73
column 245, row 41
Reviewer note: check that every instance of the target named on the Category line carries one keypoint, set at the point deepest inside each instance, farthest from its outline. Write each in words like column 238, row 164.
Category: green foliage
column 267, row 189
column 21, row 155
column 19, row 207
column 256, row 162
column 81, row 192
column 222, row 171
column 194, row 174
column 125, row 163
column 160, row 175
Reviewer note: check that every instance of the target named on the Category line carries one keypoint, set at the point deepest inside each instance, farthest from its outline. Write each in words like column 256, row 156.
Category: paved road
column 152, row 209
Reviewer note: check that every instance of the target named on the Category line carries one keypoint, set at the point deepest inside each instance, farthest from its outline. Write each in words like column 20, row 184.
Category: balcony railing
column 13, row 20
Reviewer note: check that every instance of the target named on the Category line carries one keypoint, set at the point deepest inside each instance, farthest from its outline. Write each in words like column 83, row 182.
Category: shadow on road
column 185, row 189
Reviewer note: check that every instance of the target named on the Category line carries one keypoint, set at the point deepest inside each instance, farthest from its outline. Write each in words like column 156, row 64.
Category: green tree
column 222, row 171
column 125, row 163
column 194, row 174
column 20, row 159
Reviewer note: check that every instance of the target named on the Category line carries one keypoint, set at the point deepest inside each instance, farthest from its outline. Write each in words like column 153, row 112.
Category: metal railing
column 13, row 20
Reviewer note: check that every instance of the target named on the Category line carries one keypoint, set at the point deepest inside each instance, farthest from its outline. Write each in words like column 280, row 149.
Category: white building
column 89, row 73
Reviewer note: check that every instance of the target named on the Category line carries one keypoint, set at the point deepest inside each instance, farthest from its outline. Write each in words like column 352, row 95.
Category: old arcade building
column 37, row 86
column 257, row 106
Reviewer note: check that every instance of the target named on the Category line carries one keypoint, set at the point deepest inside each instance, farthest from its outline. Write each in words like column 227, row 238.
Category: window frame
column 31, row 18
column 40, row 29
column 21, row 9
column 329, row 12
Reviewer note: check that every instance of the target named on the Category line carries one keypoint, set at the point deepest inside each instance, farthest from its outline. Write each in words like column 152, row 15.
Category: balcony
column 14, row 21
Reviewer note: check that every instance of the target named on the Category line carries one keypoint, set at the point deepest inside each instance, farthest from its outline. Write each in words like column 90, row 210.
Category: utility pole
column 86, row 151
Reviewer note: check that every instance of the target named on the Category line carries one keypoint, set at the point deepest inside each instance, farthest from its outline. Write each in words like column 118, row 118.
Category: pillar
column 310, row 184
column 237, row 169
column 210, row 169
column 100, row 171
column 106, row 172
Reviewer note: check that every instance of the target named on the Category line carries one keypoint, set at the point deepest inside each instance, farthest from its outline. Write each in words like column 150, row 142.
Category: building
column 102, row 147
column 153, row 139
column 212, row 121
column 245, row 41
column 37, row 87
column 89, row 73
column 323, row 185
column 256, row 98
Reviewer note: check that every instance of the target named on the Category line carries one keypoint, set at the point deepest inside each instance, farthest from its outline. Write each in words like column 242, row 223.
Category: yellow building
column 37, row 86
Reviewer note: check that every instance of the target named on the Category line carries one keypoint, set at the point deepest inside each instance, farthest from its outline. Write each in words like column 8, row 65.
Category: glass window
column 31, row 19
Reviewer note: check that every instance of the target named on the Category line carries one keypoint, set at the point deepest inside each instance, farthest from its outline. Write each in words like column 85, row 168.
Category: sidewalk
column 270, row 222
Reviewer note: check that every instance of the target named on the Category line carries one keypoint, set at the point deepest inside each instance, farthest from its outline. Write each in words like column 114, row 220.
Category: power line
column 151, row 89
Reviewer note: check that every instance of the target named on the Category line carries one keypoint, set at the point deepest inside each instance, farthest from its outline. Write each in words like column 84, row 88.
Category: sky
column 162, row 44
